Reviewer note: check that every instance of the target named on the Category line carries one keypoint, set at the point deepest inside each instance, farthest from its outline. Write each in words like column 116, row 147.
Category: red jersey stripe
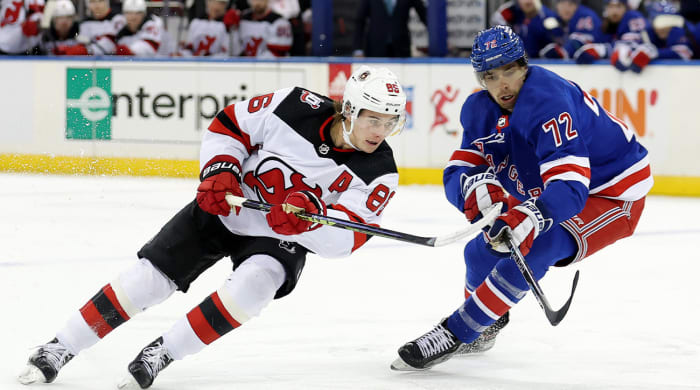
column 623, row 185
column 564, row 168
column 360, row 238
column 469, row 156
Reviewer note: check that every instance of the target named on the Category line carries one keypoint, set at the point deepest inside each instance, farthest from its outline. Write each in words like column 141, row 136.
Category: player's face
column 98, row 8
column 371, row 128
column 258, row 6
column 566, row 9
column 663, row 32
column 134, row 20
column 62, row 24
column 216, row 9
column 504, row 83
column 528, row 6
column 615, row 11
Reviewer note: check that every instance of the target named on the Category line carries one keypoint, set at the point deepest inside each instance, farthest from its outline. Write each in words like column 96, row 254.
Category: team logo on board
column 88, row 103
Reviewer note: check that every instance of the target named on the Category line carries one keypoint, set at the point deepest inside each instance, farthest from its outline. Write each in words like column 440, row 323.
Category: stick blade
column 555, row 317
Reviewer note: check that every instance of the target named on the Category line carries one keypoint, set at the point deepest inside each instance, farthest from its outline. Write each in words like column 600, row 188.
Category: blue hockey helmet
column 495, row 47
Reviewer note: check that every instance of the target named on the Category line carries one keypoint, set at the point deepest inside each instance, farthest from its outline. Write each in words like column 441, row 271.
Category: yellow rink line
column 663, row 185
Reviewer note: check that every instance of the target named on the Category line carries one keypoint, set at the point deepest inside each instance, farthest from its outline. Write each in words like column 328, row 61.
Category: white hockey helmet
column 63, row 8
column 133, row 6
column 374, row 89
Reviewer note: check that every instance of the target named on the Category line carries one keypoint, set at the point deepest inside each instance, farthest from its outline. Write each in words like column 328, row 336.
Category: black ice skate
column 486, row 340
column 144, row 369
column 428, row 350
column 45, row 362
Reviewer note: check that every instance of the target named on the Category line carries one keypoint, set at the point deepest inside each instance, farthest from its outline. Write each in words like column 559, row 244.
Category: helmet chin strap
column 346, row 134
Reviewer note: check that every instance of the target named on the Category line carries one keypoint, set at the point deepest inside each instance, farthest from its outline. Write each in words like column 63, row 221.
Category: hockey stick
column 554, row 316
column 236, row 201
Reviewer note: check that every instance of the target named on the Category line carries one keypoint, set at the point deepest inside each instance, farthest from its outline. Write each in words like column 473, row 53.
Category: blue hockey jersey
column 676, row 46
column 629, row 29
column 558, row 144
column 531, row 30
column 584, row 27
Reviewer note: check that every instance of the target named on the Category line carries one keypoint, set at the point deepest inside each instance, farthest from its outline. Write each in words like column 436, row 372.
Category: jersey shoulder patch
column 311, row 116
column 305, row 111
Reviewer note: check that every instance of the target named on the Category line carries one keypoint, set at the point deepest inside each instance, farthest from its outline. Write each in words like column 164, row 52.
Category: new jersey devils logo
column 311, row 99
column 273, row 180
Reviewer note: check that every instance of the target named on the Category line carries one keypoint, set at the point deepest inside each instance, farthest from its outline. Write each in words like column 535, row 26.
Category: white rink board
column 632, row 324
column 172, row 102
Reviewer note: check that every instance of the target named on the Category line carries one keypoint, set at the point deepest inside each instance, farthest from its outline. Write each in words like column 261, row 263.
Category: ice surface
column 633, row 324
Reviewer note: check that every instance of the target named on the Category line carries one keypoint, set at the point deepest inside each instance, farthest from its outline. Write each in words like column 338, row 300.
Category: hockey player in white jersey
column 292, row 148
column 142, row 34
column 263, row 33
column 63, row 30
column 208, row 37
column 98, row 32
column 19, row 25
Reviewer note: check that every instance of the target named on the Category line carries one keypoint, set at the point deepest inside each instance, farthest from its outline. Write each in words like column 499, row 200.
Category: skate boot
column 144, row 369
column 486, row 340
column 45, row 362
column 428, row 350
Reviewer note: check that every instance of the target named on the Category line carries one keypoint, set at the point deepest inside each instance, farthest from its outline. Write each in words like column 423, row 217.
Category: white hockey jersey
column 268, row 37
column 283, row 143
column 101, row 34
column 206, row 38
column 146, row 41
column 12, row 14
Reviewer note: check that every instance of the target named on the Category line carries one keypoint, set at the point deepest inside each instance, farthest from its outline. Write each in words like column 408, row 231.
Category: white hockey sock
column 244, row 294
column 137, row 288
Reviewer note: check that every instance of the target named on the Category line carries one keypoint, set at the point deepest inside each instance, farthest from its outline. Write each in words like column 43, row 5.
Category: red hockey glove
column 221, row 176
column 76, row 50
column 283, row 220
column 30, row 28
column 590, row 52
column 232, row 18
column 642, row 56
column 554, row 50
column 480, row 192
column 620, row 57
column 123, row 50
column 523, row 224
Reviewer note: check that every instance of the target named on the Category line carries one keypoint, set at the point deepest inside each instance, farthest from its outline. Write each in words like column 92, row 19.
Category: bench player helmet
column 495, row 47
column 374, row 89
column 663, row 14
column 63, row 8
column 134, row 6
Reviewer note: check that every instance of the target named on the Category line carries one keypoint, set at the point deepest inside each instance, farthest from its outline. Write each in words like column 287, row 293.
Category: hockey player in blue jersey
column 621, row 26
column 669, row 36
column 532, row 21
column 578, row 25
column 571, row 179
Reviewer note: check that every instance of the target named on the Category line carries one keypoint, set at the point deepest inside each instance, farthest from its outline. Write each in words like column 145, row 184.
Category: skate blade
column 31, row 374
column 128, row 383
column 400, row 365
